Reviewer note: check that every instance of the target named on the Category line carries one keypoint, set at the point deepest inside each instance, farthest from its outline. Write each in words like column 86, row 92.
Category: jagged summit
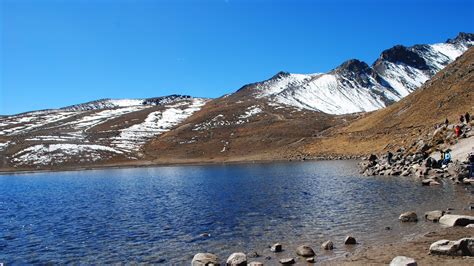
column 462, row 38
column 280, row 74
column 353, row 66
column 400, row 54
column 354, row 86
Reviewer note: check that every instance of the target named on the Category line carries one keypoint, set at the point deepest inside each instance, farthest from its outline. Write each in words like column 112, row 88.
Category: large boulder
column 462, row 247
column 456, row 220
column 305, row 251
column 408, row 217
column 205, row 259
column 403, row 261
column 237, row 259
column 434, row 216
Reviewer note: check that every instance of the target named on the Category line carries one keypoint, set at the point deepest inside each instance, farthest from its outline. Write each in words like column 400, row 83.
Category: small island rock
column 328, row 245
column 408, row 217
column 305, row 251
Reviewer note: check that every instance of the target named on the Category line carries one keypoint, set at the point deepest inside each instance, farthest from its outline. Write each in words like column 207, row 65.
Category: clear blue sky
column 57, row 53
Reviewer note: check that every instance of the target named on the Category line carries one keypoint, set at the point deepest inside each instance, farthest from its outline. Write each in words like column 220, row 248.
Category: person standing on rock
column 446, row 122
column 447, row 157
column 457, row 130
column 467, row 117
column 461, row 119
column 471, row 164
column 389, row 157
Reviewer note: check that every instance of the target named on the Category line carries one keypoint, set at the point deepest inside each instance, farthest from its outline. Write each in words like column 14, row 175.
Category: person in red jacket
column 457, row 129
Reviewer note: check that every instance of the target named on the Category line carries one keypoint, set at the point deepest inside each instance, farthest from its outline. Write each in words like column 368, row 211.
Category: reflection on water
column 158, row 214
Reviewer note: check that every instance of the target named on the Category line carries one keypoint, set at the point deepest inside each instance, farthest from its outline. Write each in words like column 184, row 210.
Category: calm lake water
column 156, row 215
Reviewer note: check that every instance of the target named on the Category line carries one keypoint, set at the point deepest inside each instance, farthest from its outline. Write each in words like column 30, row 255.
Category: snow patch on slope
column 132, row 138
column 59, row 153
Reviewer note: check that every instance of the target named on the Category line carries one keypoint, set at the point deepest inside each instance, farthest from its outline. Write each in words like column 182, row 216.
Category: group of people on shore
column 462, row 126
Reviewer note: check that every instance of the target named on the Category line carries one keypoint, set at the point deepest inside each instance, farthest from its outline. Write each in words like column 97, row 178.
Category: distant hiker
column 441, row 160
column 447, row 157
column 446, row 122
column 467, row 117
column 457, row 129
column 389, row 157
column 461, row 119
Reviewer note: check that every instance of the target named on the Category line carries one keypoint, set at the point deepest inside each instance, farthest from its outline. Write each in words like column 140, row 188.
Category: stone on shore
column 287, row 261
column 434, row 216
column 468, row 181
column 350, row 240
column 456, row 220
column 255, row 263
column 237, row 259
column 204, row 259
column 277, row 248
column 305, row 251
column 328, row 245
column 403, row 261
column 461, row 247
column 310, row 260
column 408, row 217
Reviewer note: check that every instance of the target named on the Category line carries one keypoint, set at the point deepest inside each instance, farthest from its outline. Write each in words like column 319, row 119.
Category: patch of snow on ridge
column 3, row 145
column 27, row 122
column 100, row 117
column 251, row 111
column 328, row 95
column 132, row 138
column 58, row 153
column 449, row 50
column 275, row 86
column 404, row 79
column 126, row 102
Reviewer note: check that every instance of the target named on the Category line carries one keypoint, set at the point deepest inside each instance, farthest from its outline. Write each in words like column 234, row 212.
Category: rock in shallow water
column 403, row 261
column 433, row 216
column 205, row 259
column 350, row 241
column 305, row 251
column 276, row 247
column 255, row 263
column 408, row 217
column 328, row 245
column 237, row 259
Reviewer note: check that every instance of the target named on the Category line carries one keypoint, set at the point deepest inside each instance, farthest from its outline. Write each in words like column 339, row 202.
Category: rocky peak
column 462, row 38
column 165, row 99
column 281, row 74
column 402, row 54
column 353, row 66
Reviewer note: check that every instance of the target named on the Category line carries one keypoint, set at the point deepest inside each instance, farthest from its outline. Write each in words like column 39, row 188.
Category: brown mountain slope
column 447, row 95
column 240, row 127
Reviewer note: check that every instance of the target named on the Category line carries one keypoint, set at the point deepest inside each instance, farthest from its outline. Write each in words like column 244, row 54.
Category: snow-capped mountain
column 117, row 103
column 355, row 86
column 102, row 130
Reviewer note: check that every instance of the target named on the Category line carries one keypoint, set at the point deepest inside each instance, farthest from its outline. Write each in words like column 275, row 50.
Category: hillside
column 287, row 117
column 447, row 95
